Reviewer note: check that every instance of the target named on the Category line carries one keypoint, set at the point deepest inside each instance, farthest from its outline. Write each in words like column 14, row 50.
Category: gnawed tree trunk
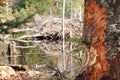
column 93, row 39
column 96, row 66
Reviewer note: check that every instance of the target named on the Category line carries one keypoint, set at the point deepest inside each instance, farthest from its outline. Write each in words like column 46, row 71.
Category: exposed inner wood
column 93, row 39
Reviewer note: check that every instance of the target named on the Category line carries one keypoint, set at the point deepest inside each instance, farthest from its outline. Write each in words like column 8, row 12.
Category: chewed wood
column 93, row 37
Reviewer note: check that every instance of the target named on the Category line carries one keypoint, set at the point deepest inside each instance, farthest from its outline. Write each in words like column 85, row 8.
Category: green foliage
column 15, row 23
column 2, row 4
column 77, row 3
column 67, row 9
column 58, row 10
column 22, row 15
column 78, row 47
column 77, row 40
column 42, row 6
column 17, row 5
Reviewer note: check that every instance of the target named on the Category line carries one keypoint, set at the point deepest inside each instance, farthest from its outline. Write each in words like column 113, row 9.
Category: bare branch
column 28, row 36
column 26, row 41
column 25, row 46
column 20, row 30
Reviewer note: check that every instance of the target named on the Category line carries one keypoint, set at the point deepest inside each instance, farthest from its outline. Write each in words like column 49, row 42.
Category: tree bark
column 109, row 54
column 112, row 36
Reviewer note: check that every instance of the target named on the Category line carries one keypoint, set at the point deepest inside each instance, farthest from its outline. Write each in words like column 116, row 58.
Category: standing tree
column 100, row 46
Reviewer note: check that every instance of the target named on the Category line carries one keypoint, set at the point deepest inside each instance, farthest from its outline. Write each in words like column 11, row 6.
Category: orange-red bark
column 96, row 18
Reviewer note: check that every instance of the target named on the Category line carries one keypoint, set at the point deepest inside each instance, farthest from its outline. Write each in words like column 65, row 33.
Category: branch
column 25, row 46
column 20, row 30
column 26, row 41
column 28, row 36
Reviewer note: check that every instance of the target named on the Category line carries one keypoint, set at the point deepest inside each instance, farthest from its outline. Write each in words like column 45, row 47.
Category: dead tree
column 12, row 52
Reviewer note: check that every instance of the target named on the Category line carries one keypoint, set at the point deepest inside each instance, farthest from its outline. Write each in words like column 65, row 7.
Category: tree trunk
column 101, row 57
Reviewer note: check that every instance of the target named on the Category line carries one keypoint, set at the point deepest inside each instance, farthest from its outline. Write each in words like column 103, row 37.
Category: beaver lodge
column 46, row 33
column 50, row 34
